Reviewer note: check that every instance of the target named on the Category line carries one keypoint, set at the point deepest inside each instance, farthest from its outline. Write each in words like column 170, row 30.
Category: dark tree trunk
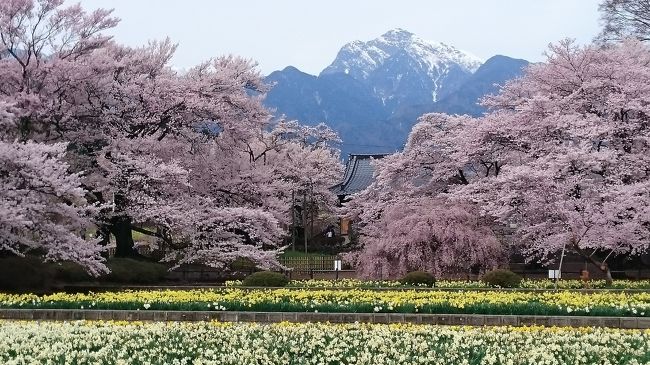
column 104, row 234
column 103, row 228
column 121, row 229
column 603, row 266
column 608, row 274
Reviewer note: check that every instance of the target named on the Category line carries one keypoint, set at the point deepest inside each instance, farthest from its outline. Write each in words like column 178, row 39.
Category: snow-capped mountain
column 360, row 59
column 402, row 67
column 373, row 91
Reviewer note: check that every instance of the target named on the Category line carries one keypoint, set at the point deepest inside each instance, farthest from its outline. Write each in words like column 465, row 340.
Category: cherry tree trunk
column 604, row 268
column 601, row 265
column 121, row 229
column 608, row 276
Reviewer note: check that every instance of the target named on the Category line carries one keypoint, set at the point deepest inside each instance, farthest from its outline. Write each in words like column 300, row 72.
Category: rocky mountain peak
column 399, row 67
column 360, row 59
column 398, row 35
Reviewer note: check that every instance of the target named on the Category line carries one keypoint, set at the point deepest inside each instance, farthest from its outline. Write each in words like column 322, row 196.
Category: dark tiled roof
column 358, row 174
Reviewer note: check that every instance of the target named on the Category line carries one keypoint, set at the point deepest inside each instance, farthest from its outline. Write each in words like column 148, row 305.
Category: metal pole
column 293, row 220
column 311, row 212
column 304, row 219
column 559, row 270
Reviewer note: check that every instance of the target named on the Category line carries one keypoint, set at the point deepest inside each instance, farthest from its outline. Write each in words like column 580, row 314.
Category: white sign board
column 554, row 274
column 337, row 265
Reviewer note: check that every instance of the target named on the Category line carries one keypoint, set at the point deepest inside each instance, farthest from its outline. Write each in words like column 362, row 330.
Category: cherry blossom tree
column 406, row 219
column 250, row 199
column 426, row 234
column 570, row 140
column 181, row 125
column 42, row 205
column 561, row 162
column 294, row 160
column 624, row 18
column 190, row 158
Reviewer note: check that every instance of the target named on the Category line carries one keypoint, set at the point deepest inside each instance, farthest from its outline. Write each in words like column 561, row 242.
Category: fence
column 309, row 263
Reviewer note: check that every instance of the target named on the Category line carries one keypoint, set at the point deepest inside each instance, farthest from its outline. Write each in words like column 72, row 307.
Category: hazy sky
column 308, row 34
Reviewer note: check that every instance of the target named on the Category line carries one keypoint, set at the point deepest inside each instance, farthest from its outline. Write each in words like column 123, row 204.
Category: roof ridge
column 368, row 154
column 354, row 167
column 359, row 172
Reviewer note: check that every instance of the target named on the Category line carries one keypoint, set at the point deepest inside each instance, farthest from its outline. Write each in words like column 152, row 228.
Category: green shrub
column 126, row 270
column 418, row 278
column 24, row 273
column 266, row 278
column 502, row 279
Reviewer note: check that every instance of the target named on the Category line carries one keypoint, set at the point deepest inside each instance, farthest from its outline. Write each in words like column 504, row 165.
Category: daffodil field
column 70, row 343
column 461, row 284
column 202, row 343
column 603, row 303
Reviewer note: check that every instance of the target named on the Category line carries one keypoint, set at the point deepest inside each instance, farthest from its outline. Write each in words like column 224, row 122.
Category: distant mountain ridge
column 373, row 92
column 400, row 67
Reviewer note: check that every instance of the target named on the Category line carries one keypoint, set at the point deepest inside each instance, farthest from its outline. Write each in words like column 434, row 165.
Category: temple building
column 359, row 174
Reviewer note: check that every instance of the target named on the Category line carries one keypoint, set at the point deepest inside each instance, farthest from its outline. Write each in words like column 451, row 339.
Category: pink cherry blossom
column 193, row 158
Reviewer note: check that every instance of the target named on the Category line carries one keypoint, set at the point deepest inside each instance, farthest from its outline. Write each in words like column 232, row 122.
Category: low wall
column 270, row 317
